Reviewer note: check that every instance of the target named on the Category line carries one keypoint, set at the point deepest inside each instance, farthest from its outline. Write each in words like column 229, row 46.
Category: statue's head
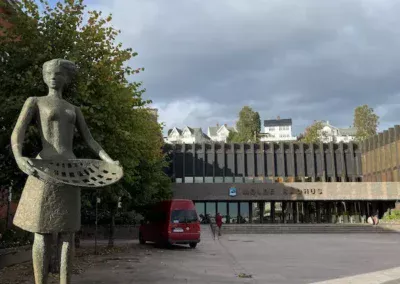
column 58, row 72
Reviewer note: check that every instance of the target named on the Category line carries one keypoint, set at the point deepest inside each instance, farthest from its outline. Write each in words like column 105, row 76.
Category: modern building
column 187, row 135
column 290, row 182
column 220, row 133
column 330, row 133
column 277, row 130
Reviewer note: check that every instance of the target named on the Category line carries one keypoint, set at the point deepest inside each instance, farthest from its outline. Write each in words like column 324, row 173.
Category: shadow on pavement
column 166, row 247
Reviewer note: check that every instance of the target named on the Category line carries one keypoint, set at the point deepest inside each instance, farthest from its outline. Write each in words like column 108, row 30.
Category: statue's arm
column 88, row 138
column 24, row 119
column 18, row 135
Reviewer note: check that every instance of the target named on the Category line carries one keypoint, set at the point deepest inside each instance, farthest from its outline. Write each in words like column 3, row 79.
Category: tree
column 313, row 133
column 365, row 121
column 248, row 127
column 113, row 106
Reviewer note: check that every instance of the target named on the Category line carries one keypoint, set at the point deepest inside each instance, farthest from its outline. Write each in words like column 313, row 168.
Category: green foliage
column 113, row 106
column 313, row 133
column 391, row 215
column 248, row 126
column 232, row 137
column 15, row 237
column 365, row 121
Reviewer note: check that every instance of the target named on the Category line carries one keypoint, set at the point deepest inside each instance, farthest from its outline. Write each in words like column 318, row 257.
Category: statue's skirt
column 49, row 208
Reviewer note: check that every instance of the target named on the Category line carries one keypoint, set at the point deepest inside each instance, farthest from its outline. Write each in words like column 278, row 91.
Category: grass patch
column 391, row 215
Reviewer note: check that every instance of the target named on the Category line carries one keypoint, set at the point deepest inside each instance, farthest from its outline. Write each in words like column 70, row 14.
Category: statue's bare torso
column 56, row 121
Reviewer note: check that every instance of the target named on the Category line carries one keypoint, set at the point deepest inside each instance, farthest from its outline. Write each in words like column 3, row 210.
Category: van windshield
column 183, row 216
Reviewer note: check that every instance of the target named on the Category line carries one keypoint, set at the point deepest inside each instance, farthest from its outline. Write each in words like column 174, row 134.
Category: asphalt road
column 263, row 258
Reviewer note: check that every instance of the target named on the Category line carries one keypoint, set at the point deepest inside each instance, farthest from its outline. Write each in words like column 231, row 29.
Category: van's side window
column 156, row 216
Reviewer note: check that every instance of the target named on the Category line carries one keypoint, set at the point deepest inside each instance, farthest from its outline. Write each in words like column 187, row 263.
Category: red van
column 171, row 222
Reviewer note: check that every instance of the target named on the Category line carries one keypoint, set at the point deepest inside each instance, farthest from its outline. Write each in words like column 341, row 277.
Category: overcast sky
column 301, row 59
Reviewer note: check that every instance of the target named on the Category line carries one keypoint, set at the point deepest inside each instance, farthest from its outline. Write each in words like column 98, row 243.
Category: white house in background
column 277, row 130
column 330, row 133
column 187, row 135
column 220, row 133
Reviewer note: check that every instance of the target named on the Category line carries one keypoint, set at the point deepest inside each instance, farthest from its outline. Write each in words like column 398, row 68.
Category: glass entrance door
column 257, row 212
column 201, row 210
column 222, row 208
column 244, row 216
column 233, row 212
column 211, row 210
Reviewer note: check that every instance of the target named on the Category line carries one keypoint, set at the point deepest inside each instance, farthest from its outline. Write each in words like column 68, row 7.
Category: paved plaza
column 335, row 258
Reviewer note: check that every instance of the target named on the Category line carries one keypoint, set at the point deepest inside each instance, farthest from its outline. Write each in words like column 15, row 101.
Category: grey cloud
column 325, row 57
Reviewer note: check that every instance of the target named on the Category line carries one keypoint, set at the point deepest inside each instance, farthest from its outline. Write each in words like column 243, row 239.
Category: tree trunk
column 113, row 211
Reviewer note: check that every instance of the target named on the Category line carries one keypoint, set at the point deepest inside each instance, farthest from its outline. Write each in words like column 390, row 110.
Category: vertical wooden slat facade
column 380, row 156
column 376, row 159
column 268, row 162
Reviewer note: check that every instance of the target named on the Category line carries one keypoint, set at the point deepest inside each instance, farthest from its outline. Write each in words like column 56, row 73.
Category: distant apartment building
column 220, row 133
column 330, row 133
column 277, row 130
column 187, row 135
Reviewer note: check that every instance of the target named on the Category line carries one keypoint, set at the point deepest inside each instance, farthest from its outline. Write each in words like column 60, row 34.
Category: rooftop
column 195, row 131
column 351, row 131
column 278, row 122
column 214, row 129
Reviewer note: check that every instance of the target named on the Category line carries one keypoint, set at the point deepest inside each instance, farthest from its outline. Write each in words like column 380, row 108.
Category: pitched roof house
column 187, row 135
column 220, row 133
column 330, row 133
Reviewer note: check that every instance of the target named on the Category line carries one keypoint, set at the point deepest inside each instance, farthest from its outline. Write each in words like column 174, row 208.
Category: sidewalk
column 388, row 276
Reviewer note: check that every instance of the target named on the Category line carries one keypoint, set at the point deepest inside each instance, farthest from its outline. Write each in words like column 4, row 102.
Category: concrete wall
column 294, row 191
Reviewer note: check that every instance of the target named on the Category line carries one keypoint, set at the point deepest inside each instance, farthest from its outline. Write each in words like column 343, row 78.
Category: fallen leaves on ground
column 244, row 275
column 84, row 259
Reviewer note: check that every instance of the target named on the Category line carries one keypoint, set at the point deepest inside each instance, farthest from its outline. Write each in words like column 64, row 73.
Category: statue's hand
column 104, row 156
column 111, row 161
column 25, row 164
column 115, row 162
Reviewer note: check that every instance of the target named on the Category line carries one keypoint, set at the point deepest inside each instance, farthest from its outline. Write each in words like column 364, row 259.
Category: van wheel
column 193, row 245
column 141, row 240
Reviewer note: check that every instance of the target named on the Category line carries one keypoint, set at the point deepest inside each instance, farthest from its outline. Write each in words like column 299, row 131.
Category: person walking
column 218, row 220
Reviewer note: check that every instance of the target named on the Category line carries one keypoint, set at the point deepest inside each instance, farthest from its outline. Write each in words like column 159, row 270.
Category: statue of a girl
column 46, row 208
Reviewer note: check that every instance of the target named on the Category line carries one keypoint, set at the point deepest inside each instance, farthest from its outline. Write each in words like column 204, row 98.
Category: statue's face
column 55, row 77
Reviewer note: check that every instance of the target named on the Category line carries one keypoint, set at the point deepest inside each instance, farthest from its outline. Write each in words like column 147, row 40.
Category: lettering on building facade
column 285, row 191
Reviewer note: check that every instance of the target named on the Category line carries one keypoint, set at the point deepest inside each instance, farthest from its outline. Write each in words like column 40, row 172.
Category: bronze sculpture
column 47, row 207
